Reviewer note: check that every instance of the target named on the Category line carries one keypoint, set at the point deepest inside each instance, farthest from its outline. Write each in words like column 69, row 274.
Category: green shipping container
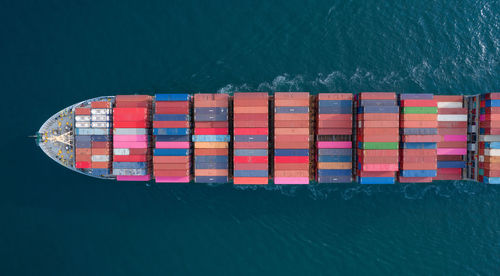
column 420, row 110
column 379, row 145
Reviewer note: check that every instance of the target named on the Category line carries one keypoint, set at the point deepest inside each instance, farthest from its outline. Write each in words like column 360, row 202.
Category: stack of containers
column 419, row 137
column 489, row 139
column 83, row 143
column 171, row 129
column 101, row 137
column 291, row 138
column 211, row 139
column 334, row 138
column 377, row 137
column 131, row 147
column 251, row 132
column 452, row 129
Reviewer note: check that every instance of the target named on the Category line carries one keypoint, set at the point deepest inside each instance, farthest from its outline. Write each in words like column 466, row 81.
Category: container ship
column 284, row 138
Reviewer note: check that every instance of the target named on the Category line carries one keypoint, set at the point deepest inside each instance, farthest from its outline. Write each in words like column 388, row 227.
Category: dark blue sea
column 57, row 222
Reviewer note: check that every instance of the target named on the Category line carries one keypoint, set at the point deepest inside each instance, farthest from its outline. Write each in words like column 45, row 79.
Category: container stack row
column 489, row 139
column 377, row 137
column 334, row 138
column 291, row 138
column 171, row 130
column 251, row 138
column 452, row 129
column 211, row 138
column 93, row 145
column 131, row 137
column 419, row 137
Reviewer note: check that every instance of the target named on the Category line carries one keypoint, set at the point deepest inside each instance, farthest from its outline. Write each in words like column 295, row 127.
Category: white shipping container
column 452, row 118
column 450, row 105
column 92, row 131
column 101, row 118
column 82, row 124
column 100, row 111
column 492, row 152
column 489, row 138
column 100, row 158
column 100, row 125
column 481, row 158
column 121, row 151
column 82, row 118
column 130, row 131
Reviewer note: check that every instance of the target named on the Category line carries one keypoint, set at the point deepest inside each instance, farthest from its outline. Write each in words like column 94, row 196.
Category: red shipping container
column 170, row 104
column 83, row 165
column 100, row 165
column 419, row 124
column 130, row 158
column 125, row 98
column 251, row 131
column 132, row 124
column 489, row 166
column 82, row 111
column 210, row 152
column 251, row 159
column 334, row 124
column 251, row 166
column 251, row 123
column 490, row 173
column 492, row 110
column 251, row 95
column 493, row 96
column 101, row 151
column 100, row 104
column 304, row 102
column 101, row 145
column 83, row 151
column 452, row 144
column 130, row 114
column 287, row 124
column 418, row 103
column 139, row 151
column 171, row 110
column 179, row 166
column 418, row 152
column 334, row 131
column 378, row 152
column 251, row 117
column 402, row 179
column 379, row 131
column 418, row 166
column 448, row 98
column 170, row 159
column 419, row 159
column 335, row 96
column 250, row 145
column 291, row 159
column 449, row 177
column 452, row 111
column 378, row 124
column 133, row 104
column 210, row 103
column 291, row 145
column 291, row 138
column 420, row 138
column 250, row 109
column 83, row 158
column 450, row 157
column 291, row 166
column 378, row 138
column 442, row 124
column 374, row 174
column 449, row 171
column 222, row 124
column 291, row 116
column 335, row 117
column 378, row 117
column 291, row 96
column 171, row 172
column 377, row 96
column 492, row 131
column 171, row 124
column 379, row 159
column 250, row 102
column 250, row 180
column 211, row 131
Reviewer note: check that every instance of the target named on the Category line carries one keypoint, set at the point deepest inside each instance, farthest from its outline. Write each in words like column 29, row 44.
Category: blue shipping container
column 211, row 138
column 171, row 152
column 291, row 152
column 171, row 131
column 172, row 97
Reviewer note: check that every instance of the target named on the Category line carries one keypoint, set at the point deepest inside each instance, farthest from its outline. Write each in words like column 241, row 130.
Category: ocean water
column 56, row 222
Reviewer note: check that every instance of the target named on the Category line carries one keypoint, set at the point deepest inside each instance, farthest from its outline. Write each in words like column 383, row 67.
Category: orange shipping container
column 291, row 131
column 291, row 116
column 170, row 159
column 253, row 109
column 211, row 145
column 419, row 117
column 217, row 151
column 291, row 145
column 291, row 166
column 291, row 173
column 334, row 165
column 100, row 165
column 210, row 172
column 335, row 96
column 171, row 172
column 288, row 124
column 172, row 166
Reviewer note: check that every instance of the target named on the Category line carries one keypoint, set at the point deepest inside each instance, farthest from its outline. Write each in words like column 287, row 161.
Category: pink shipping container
column 130, row 138
column 131, row 145
column 291, row 180
column 172, row 179
column 133, row 177
column 172, row 145
column 446, row 151
column 334, row 145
